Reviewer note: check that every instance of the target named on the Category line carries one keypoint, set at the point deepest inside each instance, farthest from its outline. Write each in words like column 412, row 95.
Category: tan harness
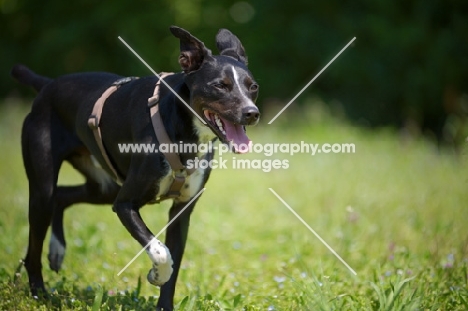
column 179, row 171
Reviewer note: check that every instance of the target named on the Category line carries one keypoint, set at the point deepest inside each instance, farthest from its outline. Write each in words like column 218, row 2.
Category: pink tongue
column 236, row 134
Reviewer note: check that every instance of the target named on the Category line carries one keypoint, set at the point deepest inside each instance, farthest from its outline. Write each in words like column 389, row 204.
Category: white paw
column 56, row 253
column 162, row 263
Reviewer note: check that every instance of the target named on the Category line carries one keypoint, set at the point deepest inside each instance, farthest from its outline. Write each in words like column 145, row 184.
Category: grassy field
column 396, row 211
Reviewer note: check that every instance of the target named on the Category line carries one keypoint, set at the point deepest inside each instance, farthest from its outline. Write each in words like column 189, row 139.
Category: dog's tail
column 26, row 76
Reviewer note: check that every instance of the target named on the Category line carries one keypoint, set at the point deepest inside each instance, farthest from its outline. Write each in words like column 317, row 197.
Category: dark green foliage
column 409, row 64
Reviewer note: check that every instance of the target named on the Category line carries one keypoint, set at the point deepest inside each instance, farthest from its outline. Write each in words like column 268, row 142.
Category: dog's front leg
column 157, row 251
column 176, row 238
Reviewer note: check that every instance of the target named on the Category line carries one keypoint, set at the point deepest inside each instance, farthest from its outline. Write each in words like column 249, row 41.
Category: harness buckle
column 180, row 173
column 93, row 122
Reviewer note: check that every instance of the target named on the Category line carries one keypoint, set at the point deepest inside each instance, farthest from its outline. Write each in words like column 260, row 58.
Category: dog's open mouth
column 228, row 132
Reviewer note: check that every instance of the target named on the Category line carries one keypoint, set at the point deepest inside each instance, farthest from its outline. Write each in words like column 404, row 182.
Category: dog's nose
column 250, row 115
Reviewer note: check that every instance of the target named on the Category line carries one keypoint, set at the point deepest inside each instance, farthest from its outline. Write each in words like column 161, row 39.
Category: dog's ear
column 192, row 51
column 229, row 45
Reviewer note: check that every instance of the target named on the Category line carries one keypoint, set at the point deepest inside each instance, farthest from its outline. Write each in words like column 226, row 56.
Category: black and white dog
column 219, row 88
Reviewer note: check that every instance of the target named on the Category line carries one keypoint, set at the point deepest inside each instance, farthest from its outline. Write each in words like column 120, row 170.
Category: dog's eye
column 220, row 86
column 254, row 87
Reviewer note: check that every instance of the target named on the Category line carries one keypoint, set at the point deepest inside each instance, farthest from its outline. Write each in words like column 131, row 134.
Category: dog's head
column 222, row 89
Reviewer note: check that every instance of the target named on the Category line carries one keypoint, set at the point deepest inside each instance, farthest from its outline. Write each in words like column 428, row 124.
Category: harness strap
column 179, row 171
column 95, row 120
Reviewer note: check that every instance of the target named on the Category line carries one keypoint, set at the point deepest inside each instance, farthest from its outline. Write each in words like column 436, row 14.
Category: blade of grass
column 98, row 298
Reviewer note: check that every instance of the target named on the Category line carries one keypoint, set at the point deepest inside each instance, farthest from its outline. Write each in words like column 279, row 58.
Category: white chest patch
column 193, row 184
column 165, row 183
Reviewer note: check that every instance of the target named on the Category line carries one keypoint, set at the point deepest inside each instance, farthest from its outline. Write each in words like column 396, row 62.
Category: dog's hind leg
column 98, row 189
column 42, row 167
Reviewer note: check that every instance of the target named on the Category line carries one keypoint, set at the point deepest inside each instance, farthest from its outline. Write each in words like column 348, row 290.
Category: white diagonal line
column 162, row 230
column 313, row 231
column 162, row 80
column 310, row 82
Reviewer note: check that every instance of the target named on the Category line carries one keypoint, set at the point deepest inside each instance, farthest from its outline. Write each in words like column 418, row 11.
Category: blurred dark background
column 408, row 67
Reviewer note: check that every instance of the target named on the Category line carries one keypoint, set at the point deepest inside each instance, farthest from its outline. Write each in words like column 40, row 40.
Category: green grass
column 396, row 211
